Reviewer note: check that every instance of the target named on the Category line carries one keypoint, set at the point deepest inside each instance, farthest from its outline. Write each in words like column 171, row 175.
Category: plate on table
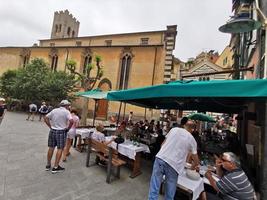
column 192, row 174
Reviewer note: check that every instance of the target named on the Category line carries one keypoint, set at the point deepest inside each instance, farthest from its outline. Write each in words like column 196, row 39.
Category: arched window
column 87, row 60
column 68, row 32
column 73, row 33
column 125, row 71
column 56, row 28
column 59, row 29
column 54, row 62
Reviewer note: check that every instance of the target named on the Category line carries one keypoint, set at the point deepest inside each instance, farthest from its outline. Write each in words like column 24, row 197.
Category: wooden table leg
column 136, row 166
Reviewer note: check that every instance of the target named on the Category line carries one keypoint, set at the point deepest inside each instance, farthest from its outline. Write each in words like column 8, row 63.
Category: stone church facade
column 130, row 59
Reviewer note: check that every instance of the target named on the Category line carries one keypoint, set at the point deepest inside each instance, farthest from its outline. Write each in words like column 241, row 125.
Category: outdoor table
column 110, row 130
column 133, row 152
column 83, row 133
column 193, row 188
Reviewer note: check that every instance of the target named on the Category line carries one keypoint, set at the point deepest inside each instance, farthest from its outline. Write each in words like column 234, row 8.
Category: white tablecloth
column 128, row 149
column 84, row 132
column 195, row 186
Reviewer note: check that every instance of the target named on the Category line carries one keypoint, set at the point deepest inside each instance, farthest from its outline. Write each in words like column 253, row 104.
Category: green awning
column 93, row 94
column 217, row 96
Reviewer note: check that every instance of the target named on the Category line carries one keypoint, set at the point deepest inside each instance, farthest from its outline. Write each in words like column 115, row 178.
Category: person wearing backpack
column 3, row 109
column 32, row 111
column 43, row 110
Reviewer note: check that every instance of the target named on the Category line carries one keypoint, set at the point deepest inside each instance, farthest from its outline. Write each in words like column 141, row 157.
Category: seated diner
column 233, row 182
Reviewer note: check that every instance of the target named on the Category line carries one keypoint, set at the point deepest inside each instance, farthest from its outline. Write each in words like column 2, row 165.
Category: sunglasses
column 225, row 160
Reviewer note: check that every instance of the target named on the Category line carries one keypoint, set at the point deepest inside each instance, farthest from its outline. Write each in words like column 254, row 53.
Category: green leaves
column 98, row 59
column 36, row 82
column 91, row 74
column 71, row 65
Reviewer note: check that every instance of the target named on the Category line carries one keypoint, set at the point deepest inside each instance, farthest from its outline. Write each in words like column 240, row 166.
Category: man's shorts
column 57, row 138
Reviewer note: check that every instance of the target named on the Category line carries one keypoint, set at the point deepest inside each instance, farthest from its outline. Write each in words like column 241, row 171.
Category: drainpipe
column 264, row 19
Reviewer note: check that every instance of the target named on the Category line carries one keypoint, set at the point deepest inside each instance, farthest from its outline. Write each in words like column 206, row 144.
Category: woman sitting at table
column 99, row 136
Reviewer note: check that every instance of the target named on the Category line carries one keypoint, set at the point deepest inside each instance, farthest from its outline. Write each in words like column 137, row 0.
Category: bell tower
column 64, row 25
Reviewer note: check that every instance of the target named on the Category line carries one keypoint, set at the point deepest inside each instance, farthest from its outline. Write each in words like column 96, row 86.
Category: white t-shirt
column 59, row 118
column 179, row 142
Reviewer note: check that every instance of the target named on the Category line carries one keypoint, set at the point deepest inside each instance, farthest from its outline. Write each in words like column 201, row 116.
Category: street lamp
column 241, row 24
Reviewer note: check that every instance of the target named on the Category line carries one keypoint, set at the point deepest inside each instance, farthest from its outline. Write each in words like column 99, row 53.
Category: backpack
column 33, row 109
column 44, row 109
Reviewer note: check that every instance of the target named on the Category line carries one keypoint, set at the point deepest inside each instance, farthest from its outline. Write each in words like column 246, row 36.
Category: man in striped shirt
column 234, row 184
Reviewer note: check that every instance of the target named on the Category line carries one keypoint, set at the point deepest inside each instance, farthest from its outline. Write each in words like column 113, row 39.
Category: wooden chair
column 106, row 153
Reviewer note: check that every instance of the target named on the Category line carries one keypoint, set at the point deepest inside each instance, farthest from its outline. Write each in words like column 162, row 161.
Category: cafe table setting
column 192, row 182
column 132, row 151
column 129, row 148
column 84, row 132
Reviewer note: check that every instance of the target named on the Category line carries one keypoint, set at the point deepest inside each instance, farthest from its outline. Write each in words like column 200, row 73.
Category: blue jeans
column 161, row 168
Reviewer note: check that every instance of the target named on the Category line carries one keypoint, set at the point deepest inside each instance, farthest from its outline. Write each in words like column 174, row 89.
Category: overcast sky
column 24, row 22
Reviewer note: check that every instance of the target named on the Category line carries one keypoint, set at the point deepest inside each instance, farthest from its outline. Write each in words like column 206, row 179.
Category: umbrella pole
column 145, row 114
column 118, row 119
column 94, row 113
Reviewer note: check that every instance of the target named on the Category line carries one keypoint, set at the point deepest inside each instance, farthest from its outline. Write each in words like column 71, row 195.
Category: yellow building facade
column 130, row 60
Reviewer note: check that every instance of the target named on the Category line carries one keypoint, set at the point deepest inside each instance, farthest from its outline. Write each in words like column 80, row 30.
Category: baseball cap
column 2, row 99
column 64, row 103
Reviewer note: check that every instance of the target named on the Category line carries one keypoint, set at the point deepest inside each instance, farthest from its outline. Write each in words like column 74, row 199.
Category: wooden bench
column 106, row 153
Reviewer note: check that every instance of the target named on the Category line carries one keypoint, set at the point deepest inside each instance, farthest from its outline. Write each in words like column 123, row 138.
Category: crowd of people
column 172, row 150
column 171, row 160
column 42, row 111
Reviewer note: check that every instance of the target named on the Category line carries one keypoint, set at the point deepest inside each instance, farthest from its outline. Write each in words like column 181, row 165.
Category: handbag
column 119, row 140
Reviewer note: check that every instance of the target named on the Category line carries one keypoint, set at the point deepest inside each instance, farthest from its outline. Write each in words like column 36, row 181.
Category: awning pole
column 94, row 112
column 118, row 119
column 145, row 114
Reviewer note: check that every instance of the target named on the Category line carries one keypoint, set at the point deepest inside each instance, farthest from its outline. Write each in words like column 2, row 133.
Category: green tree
column 7, row 82
column 88, row 80
column 36, row 82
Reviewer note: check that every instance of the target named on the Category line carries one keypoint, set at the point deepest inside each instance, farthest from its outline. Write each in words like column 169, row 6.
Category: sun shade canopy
column 216, row 96
column 93, row 94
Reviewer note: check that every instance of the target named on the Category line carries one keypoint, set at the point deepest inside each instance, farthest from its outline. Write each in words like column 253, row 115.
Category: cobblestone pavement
column 23, row 147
